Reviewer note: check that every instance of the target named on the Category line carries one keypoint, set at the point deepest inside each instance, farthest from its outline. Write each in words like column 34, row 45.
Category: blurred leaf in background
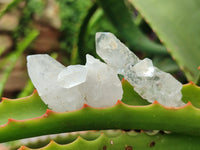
column 177, row 24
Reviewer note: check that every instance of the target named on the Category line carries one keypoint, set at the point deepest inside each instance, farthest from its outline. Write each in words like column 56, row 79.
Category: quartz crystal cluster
column 68, row 88
column 148, row 81
column 96, row 83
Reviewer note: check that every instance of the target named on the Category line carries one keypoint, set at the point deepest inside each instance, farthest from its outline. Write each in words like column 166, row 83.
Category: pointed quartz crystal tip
column 43, row 70
column 148, row 81
column 114, row 53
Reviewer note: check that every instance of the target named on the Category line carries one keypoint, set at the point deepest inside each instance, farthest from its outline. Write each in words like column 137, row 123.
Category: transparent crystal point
column 148, row 81
column 114, row 53
column 43, row 71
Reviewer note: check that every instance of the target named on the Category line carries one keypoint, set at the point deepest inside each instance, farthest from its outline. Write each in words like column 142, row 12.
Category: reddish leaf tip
column 11, row 120
column 85, row 105
column 192, row 83
column 47, row 113
column 119, row 102
column 188, row 103
column 79, row 137
column 22, row 148
column 52, row 142
column 34, row 91
column 155, row 102
column 4, row 98
column 122, row 80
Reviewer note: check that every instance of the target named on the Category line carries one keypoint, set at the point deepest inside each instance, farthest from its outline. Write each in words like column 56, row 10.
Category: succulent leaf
column 129, row 141
column 29, row 119
column 191, row 93
column 22, row 108
column 151, row 117
column 170, row 27
column 131, row 97
column 127, row 29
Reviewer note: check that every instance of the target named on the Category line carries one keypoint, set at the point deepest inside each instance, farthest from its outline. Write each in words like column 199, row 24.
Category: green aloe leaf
column 129, row 141
column 63, row 138
column 131, row 97
column 135, row 140
column 29, row 117
column 122, row 20
column 83, row 31
column 22, row 108
column 183, row 120
column 191, row 93
column 32, row 106
column 176, row 22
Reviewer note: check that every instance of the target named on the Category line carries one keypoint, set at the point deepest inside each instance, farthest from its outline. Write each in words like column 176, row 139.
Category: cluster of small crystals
column 148, row 81
column 68, row 88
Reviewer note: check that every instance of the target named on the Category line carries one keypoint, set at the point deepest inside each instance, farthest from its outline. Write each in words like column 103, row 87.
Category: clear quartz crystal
column 102, row 87
column 68, row 88
column 43, row 71
column 42, row 68
column 72, row 76
column 153, row 84
column 114, row 53
column 148, row 81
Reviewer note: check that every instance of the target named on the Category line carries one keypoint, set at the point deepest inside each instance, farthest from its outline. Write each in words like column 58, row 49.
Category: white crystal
column 68, row 88
column 43, row 71
column 148, row 81
column 153, row 84
column 43, row 68
column 144, row 68
column 72, row 75
column 103, row 87
column 114, row 53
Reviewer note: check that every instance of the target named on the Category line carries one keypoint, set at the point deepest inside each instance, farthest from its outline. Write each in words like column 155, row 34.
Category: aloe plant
column 135, row 123
column 29, row 117
column 170, row 26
